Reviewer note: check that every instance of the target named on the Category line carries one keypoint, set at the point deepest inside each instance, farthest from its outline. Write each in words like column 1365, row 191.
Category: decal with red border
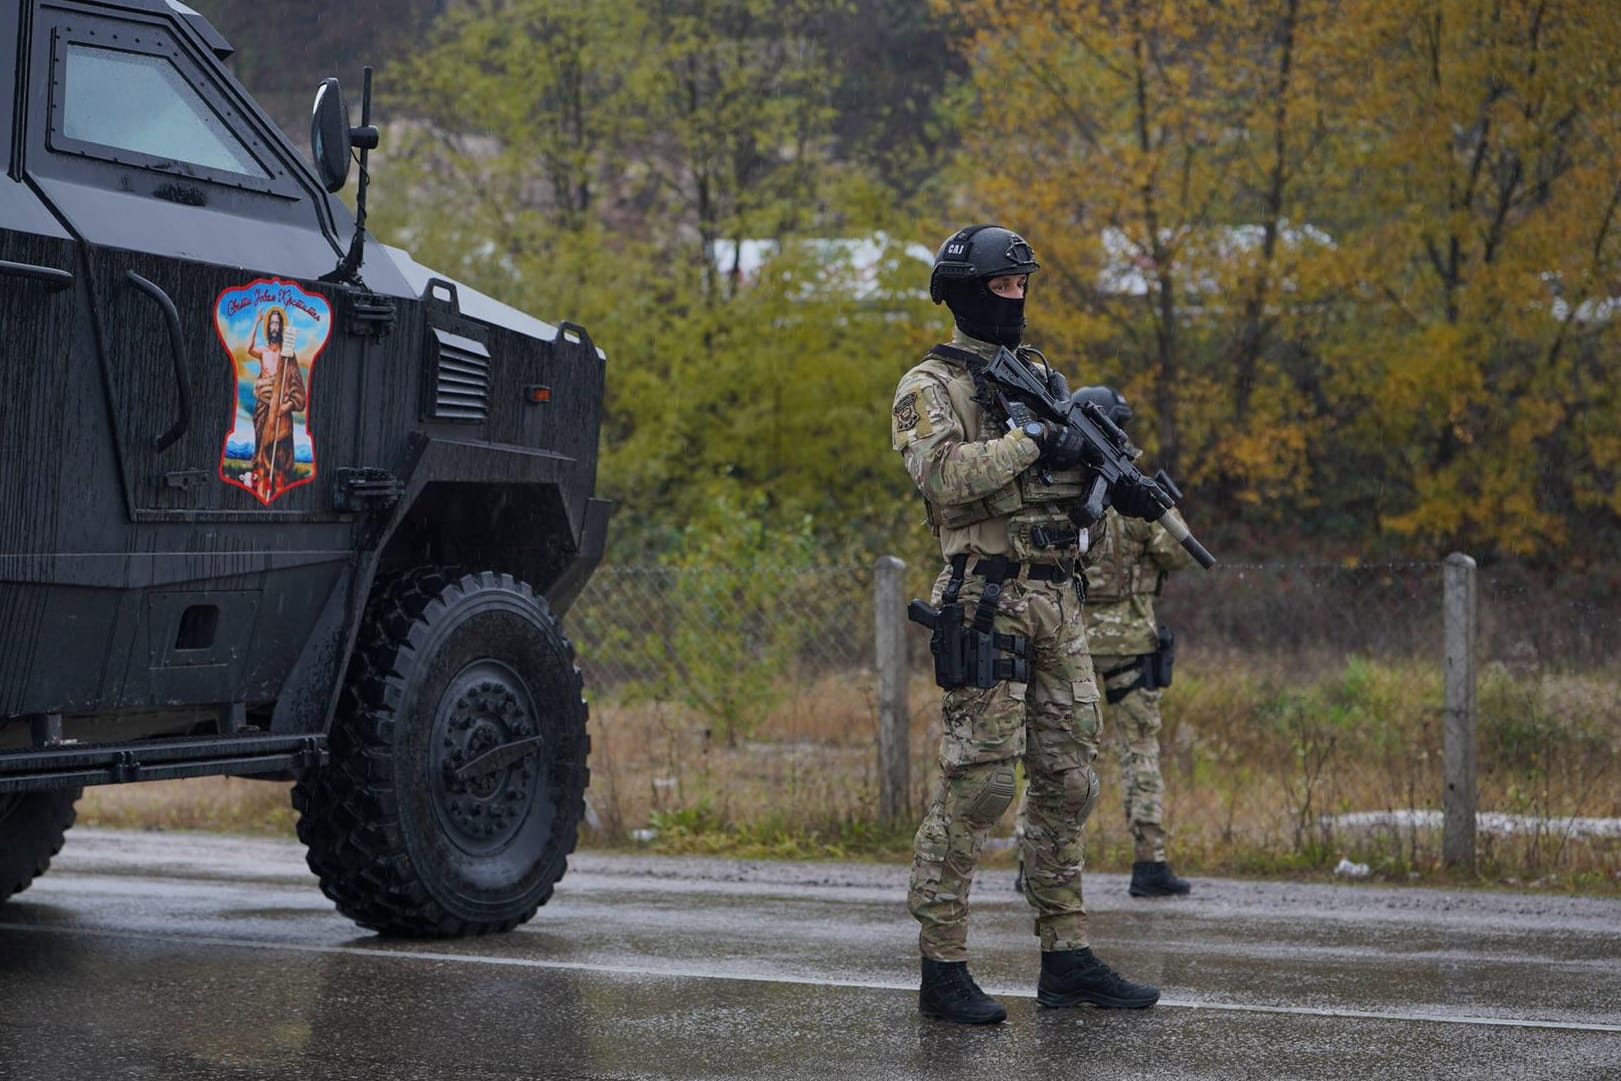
column 273, row 331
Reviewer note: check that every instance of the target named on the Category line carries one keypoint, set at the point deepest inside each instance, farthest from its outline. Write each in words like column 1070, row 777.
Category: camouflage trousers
column 1135, row 721
column 1051, row 723
column 1134, row 724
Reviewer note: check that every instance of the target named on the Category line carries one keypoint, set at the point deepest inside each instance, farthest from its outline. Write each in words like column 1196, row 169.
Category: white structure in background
column 1128, row 267
column 849, row 266
column 1592, row 310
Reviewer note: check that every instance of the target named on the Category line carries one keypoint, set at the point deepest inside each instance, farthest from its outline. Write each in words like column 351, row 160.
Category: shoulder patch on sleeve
column 911, row 418
column 906, row 413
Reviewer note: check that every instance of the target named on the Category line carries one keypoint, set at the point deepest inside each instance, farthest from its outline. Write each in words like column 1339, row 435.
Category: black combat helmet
column 1111, row 401
column 963, row 268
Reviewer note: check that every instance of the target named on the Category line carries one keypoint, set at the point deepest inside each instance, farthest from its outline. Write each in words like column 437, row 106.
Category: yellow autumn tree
column 1481, row 177
column 1354, row 258
column 1159, row 156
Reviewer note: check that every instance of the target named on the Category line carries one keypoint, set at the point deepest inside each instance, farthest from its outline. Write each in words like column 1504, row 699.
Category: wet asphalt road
column 145, row 955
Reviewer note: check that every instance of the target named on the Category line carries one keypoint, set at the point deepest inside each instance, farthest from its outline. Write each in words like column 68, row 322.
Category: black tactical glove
column 1063, row 448
column 1135, row 502
column 1057, row 385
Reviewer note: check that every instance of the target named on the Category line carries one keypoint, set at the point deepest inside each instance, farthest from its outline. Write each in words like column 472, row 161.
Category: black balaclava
column 982, row 314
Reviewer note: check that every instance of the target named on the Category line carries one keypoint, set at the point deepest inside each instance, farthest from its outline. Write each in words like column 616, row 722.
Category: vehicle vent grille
column 461, row 385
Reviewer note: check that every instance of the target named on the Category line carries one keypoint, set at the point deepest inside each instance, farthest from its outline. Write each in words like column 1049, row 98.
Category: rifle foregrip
column 1173, row 525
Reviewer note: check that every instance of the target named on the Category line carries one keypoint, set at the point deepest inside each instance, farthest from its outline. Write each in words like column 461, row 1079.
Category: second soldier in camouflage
column 1124, row 574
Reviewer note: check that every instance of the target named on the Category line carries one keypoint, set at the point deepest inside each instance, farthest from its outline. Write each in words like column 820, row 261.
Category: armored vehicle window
column 139, row 102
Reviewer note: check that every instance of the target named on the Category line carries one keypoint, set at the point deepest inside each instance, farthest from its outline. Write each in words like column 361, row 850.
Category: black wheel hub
column 487, row 748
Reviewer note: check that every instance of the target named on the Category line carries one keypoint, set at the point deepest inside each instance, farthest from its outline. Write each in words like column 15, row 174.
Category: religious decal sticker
column 273, row 331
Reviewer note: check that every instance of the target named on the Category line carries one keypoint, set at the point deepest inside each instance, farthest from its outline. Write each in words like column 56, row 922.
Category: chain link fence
column 630, row 621
column 642, row 629
column 1393, row 610
column 1306, row 715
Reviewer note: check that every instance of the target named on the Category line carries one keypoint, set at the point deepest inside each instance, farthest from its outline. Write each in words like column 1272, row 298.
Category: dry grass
column 805, row 782
column 1257, row 761
column 224, row 804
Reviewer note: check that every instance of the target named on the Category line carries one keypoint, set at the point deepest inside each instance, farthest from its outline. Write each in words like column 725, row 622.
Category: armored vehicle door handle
column 186, row 479
column 53, row 279
column 172, row 318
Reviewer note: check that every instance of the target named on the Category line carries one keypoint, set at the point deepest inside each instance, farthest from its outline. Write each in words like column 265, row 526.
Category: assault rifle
column 1105, row 449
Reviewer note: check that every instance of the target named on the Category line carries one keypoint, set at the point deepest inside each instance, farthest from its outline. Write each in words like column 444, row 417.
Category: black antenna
column 365, row 138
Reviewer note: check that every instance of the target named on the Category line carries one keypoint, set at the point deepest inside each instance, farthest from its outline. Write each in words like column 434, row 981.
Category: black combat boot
column 1071, row 977
column 950, row 994
column 1150, row 878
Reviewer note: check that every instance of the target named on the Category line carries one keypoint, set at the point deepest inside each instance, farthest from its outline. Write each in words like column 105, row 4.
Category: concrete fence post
column 1458, row 804
column 894, row 715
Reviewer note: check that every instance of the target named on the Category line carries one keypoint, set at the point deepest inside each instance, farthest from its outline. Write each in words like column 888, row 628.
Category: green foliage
column 698, row 830
column 611, row 183
column 738, row 576
column 680, row 822
column 774, row 389
column 1541, row 745
column 1514, row 729
column 892, row 60
column 1310, row 738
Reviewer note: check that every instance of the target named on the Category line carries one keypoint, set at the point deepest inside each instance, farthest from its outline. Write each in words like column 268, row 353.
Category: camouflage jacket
column 1124, row 573
column 982, row 492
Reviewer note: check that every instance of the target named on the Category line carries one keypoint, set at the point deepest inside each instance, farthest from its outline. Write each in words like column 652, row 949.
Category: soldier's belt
column 1032, row 572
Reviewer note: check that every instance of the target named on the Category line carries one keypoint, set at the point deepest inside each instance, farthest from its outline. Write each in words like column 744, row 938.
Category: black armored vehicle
column 275, row 500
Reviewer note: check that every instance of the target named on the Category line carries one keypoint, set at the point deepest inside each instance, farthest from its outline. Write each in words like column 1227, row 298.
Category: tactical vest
column 1036, row 503
column 1115, row 571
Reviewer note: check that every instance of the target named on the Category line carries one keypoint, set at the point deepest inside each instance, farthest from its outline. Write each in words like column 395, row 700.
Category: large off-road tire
column 456, row 783
column 32, row 825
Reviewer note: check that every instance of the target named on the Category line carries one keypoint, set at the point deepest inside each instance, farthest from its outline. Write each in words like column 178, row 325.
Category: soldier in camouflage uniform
column 1124, row 573
column 1000, row 499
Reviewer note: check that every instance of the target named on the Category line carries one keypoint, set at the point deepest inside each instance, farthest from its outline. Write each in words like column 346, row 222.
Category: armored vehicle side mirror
column 329, row 136
column 332, row 139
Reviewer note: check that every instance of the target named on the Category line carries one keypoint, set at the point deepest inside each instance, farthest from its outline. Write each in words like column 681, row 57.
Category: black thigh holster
column 972, row 654
column 1154, row 669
